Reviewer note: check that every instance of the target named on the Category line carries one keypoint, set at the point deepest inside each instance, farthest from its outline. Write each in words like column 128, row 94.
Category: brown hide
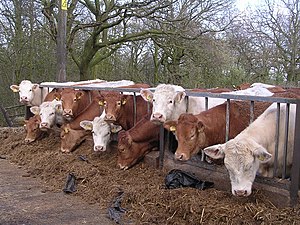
column 33, row 131
column 72, row 133
column 119, row 109
column 75, row 101
column 135, row 143
column 54, row 94
column 195, row 132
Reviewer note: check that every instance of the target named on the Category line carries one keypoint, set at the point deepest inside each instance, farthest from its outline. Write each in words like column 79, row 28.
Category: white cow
column 252, row 151
column 50, row 114
column 169, row 101
column 30, row 94
column 101, row 131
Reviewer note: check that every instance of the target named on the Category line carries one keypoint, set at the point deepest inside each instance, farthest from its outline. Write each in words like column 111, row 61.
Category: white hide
column 252, row 151
column 256, row 90
column 30, row 94
column 101, row 131
column 50, row 113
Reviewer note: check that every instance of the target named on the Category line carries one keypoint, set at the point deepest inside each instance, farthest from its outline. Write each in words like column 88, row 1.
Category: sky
column 243, row 4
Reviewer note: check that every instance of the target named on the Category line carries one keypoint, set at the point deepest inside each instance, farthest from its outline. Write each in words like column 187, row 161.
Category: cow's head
column 101, row 131
column 242, row 159
column 190, row 134
column 71, row 138
column 130, row 152
column 26, row 91
column 113, row 103
column 48, row 111
column 71, row 100
column 167, row 102
column 33, row 132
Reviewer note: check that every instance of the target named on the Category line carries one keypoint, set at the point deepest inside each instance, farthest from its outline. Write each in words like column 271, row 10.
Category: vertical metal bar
column 227, row 120
column 286, row 137
column 276, row 140
column 187, row 103
column 206, row 103
column 295, row 172
column 161, row 146
column 251, row 111
column 134, row 108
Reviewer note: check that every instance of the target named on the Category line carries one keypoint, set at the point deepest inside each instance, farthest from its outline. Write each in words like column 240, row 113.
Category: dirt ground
column 145, row 198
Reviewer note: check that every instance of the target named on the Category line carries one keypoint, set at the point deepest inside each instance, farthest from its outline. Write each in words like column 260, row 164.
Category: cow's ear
column 35, row 110
column 262, row 154
column 86, row 124
column 15, row 88
column 57, row 96
column 115, row 128
column 78, row 95
column 35, row 86
column 215, row 151
column 200, row 127
column 170, row 125
column 180, row 96
column 146, row 94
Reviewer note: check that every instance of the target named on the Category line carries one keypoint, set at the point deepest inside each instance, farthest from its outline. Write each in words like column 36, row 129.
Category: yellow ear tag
column 261, row 158
column 148, row 97
column 15, row 90
column 172, row 128
column 66, row 130
column 100, row 103
column 57, row 99
column 124, row 102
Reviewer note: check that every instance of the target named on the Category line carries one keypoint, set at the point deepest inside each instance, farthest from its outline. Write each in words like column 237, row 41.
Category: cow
column 72, row 133
column 136, row 142
column 252, row 151
column 50, row 113
column 74, row 101
column 119, row 109
column 195, row 132
column 33, row 132
column 169, row 102
column 30, row 93
column 101, row 131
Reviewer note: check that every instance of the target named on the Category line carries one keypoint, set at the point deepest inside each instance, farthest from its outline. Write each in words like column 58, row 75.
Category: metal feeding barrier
column 293, row 181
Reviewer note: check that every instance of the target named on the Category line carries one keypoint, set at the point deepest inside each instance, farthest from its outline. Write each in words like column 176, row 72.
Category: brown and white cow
column 33, row 131
column 136, row 142
column 195, row 132
column 72, row 133
column 253, row 150
column 30, row 93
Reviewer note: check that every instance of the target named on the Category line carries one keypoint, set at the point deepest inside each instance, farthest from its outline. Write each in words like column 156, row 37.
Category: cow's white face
column 48, row 112
column 101, row 131
column 166, row 100
column 242, row 159
column 26, row 91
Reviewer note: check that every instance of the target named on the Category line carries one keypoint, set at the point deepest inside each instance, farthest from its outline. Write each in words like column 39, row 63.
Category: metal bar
column 251, row 111
column 206, row 103
column 276, row 140
column 187, row 103
column 295, row 172
column 286, row 137
column 134, row 108
column 227, row 120
column 161, row 146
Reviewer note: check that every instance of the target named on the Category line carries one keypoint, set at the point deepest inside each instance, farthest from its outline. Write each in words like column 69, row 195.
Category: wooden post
column 61, row 42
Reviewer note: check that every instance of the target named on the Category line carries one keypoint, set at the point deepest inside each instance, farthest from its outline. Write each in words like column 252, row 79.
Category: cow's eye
column 75, row 99
column 41, row 114
column 108, row 133
column 118, row 103
column 170, row 101
column 153, row 100
column 51, row 114
column 30, row 90
column 93, row 132
column 121, row 149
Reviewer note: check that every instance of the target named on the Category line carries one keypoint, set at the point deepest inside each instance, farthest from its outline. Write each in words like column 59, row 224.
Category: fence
column 292, row 184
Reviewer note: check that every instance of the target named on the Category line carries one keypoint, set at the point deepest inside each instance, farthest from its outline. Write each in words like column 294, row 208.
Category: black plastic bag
column 115, row 211
column 70, row 184
column 178, row 178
